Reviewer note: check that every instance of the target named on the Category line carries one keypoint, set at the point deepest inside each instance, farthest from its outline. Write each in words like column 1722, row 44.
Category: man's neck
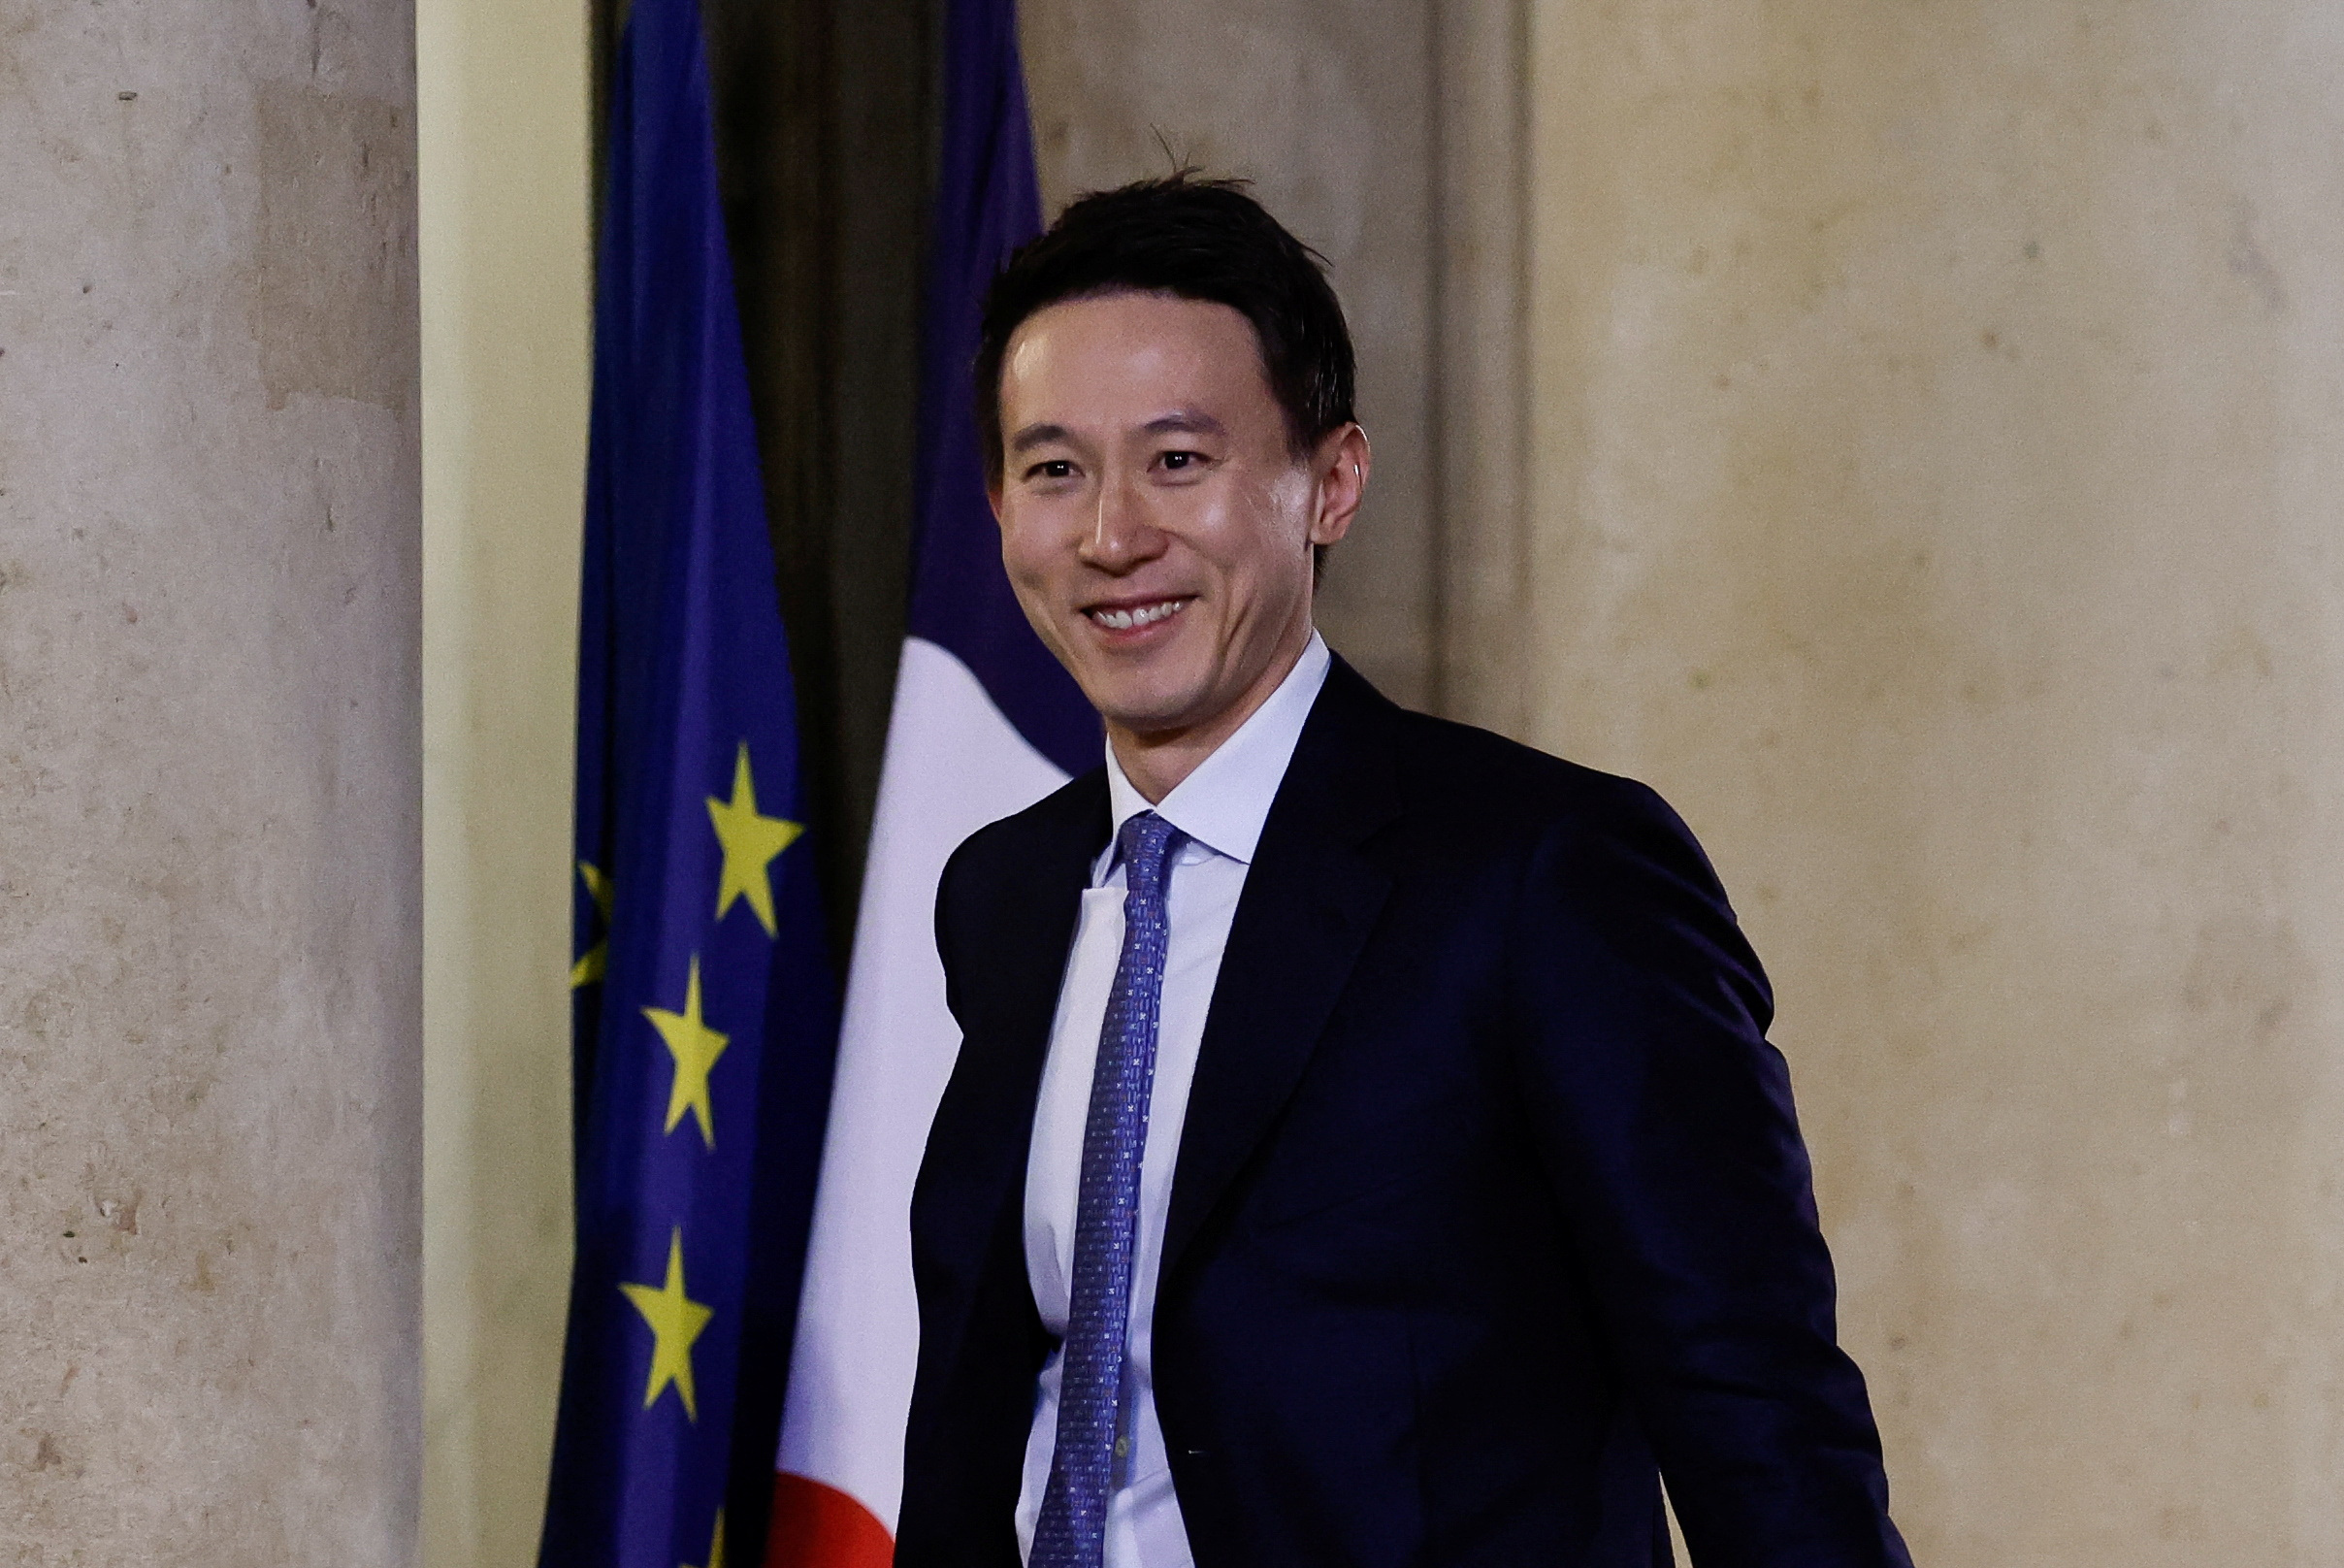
column 1156, row 761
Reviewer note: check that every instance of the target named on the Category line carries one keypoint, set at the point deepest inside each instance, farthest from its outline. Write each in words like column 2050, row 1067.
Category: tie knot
column 1147, row 842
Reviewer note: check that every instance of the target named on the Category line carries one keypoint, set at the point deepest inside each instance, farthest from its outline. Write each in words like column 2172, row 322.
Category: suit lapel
column 1310, row 898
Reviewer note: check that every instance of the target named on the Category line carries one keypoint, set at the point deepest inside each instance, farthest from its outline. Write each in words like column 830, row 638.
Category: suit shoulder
column 1485, row 781
column 1060, row 823
column 1606, row 846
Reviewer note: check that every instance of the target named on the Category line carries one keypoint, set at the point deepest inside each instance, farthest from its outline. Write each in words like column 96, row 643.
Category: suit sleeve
column 964, row 1431
column 948, row 923
column 1664, row 1122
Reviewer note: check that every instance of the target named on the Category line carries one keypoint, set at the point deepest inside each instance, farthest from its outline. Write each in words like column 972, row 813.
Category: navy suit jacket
column 1490, row 1206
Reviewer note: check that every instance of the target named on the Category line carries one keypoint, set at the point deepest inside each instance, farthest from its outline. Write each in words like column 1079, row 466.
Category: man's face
column 1154, row 522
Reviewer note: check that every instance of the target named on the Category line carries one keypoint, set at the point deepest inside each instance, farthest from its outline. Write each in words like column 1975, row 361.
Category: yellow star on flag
column 750, row 843
column 596, row 959
column 716, row 1548
column 676, row 1320
column 695, row 1046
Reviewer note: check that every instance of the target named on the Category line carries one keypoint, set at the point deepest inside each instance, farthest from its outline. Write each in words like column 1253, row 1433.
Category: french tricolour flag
column 985, row 724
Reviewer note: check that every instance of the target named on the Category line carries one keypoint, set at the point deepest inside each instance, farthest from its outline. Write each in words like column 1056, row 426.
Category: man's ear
column 993, row 499
column 1342, row 464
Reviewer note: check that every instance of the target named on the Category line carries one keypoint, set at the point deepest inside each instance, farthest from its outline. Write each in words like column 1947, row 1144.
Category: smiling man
column 1364, row 1148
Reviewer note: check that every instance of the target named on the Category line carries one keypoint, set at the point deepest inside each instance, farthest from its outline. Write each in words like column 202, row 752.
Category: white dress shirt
column 1220, row 807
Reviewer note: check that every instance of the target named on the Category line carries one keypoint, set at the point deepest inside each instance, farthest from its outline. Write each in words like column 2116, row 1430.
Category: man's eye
column 1058, row 468
column 1182, row 460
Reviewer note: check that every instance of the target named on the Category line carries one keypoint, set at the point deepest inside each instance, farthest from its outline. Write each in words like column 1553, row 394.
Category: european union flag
column 705, row 1016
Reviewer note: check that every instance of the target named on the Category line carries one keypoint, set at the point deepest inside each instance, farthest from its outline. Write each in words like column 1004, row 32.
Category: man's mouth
column 1130, row 617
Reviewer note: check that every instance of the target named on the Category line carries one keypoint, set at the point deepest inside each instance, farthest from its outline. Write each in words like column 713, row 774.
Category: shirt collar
column 1224, row 803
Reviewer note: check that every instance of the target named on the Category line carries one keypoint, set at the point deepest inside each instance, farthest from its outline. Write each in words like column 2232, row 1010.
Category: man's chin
column 1152, row 714
column 1144, row 695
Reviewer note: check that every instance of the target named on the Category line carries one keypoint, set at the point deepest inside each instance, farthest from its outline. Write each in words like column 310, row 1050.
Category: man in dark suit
column 1364, row 1147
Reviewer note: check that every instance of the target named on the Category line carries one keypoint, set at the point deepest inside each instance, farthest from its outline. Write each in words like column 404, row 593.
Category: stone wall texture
column 209, row 785
column 1937, row 426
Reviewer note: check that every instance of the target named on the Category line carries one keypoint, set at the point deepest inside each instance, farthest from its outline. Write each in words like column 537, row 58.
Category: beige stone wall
column 1937, row 431
column 506, row 320
column 209, row 793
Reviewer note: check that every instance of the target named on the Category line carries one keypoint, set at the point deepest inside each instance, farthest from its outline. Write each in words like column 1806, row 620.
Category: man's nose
column 1120, row 537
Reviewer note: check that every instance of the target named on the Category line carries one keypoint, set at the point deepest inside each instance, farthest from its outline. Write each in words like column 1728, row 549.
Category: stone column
column 1938, row 431
column 209, row 785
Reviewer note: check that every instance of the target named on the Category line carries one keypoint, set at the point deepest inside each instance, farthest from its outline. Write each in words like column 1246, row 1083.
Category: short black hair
column 1198, row 239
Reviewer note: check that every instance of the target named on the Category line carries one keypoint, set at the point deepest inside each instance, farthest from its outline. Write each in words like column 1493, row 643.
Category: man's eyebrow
column 1034, row 435
column 1179, row 422
column 1186, row 422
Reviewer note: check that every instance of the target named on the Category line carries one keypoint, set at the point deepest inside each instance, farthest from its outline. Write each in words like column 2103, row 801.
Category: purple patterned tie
column 1072, row 1531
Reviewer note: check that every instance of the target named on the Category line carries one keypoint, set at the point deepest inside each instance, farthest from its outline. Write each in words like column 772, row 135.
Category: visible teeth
column 1123, row 620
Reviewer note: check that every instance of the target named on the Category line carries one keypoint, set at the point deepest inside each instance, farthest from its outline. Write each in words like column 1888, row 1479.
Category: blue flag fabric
column 706, row 1012
column 988, row 203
